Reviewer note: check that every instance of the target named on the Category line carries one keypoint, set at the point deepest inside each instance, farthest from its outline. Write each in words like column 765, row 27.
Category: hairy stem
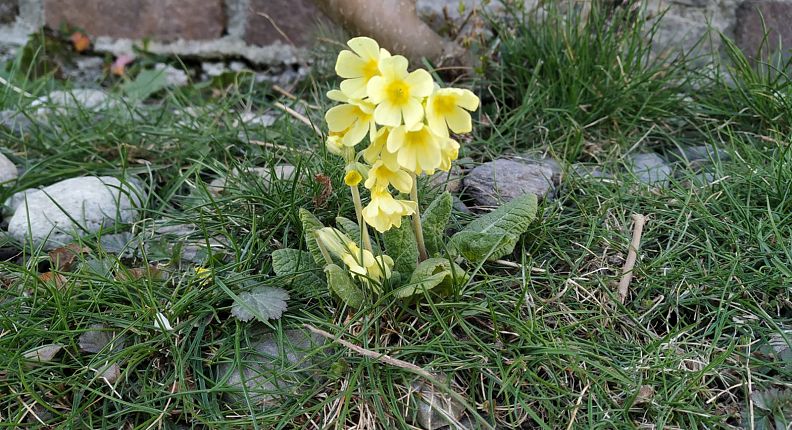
column 416, row 221
column 359, row 213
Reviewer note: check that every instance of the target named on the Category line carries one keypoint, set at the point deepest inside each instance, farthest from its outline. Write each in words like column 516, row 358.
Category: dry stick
column 627, row 271
column 577, row 407
column 158, row 421
column 387, row 359
column 302, row 118
column 15, row 89
column 277, row 146
column 284, row 92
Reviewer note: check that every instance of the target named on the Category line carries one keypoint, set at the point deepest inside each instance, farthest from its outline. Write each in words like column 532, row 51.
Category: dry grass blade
column 627, row 271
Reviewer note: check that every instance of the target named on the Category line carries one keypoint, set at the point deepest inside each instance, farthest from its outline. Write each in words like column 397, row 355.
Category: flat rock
column 173, row 77
column 273, row 369
column 502, row 180
column 16, row 121
column 698, row 156
column 8, row 171
column 650, row 168
column 79, row 206
column 450, row 181
column 589, row 171
column 63, row 101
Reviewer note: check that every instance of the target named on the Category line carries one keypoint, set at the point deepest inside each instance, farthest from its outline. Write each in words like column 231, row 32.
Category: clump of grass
column 563, row 77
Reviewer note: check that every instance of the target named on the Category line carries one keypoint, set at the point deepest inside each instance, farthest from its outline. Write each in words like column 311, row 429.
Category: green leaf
column 310, row 224
column 400, row 245
column 475, row 246
column 434, row 222
column 146, row 83
column 299, row 266
column 352, row 229
column 433, row 274
column 342, row 285
column 265, row 303
column 498, row 231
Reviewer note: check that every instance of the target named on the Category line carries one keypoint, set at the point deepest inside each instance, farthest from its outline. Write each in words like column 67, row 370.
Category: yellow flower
column 398, row 94
column 384, row 212
column 378, row 150
column 417, row 149
column 334, row 143
column 361, row 263
column 380, row 176
column 448, row 153
column 358, row 66
column 448, row 108
column 333, row 240
column 352, row 178
column 354, row 118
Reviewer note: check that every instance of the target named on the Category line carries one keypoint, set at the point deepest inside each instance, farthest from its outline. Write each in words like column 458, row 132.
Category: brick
column 296, row 19
column 9, row 9
column 163, row 20
column 777, row 17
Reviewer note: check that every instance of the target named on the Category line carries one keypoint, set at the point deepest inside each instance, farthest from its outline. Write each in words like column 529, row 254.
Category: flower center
column 370, row 69
column 443, row 105
column 398, row 92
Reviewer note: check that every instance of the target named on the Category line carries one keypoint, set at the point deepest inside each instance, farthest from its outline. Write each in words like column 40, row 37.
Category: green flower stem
column 328, row 259
column 416, row 221
column 359, row 214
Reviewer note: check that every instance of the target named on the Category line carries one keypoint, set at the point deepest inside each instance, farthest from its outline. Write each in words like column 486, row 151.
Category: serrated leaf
column 400, row 245
column 476, row 246
column 298, row 265
column 432, row 274
column 263, row 302
column 309, row 225
column 434, row 222
column 343, row 286
column 498, row 231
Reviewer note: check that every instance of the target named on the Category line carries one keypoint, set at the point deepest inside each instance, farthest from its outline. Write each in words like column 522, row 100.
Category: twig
column 165, row 409
column 302, row 118
column 284, row 92
column 14, row 88
column 627, row 271
column 577, row 407
column 387, row 359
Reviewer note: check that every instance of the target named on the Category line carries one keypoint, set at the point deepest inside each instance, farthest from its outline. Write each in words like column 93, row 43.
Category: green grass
column 541, row 345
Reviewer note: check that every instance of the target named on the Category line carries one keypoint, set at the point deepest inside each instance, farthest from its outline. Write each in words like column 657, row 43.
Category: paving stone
column 502, row 180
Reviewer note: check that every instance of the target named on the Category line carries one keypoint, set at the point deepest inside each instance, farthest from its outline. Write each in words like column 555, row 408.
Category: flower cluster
column 407, row 119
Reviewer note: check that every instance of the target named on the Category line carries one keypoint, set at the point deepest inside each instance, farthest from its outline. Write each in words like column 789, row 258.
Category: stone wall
column 279, row 31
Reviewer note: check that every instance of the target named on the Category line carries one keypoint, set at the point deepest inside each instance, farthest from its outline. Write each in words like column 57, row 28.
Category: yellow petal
column 394, row 67
column 352, row 178
column 396, row 139
column 366, row 47
column 349, row 65
column 468, row 100
column 375, row 89
column 355, row 134
column 338, row 96
column 387, row 114
column 436, row 123
column 339, row 118
column 413, row 113
column 421, row 84
column 354, row 88
column 402, row 181
column 459, row 121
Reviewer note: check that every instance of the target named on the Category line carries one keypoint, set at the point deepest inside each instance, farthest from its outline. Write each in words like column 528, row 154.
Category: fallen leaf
column 320, row 200
column 62, row 258
column 161, row 322
column 96, row 339
column 53, row 278
column 43, row 353
column 150, row 272
column 109, row 372
column 80, row 41
column 266, row 302
column 118, row 67
column 645, row 394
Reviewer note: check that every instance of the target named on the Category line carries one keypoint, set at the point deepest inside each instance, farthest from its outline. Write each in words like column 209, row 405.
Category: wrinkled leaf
column 344, row 287
column 434, row 220
column 97, row 338
column 432, row 274
column 54, row 279
column 146, row 83
column 62, row 259
column 498, row 230
column 400, row 245
column 309, row 225
column 475, row 246
column 299, row 266
column 43, row 353
column 263, row 302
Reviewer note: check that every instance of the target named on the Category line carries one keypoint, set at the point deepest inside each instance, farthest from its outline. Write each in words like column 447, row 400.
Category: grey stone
column 63, row 101
column 503, row 180
column 283, row 172
column 434, row 409
column 9, row 9
column 8, row 171
column 276, row 367
column 16, row 199
column 79, row 206
column 460, row 206
column 752, row 19
column 697, row 156
column 97, row 338
column 16, row 121
column 290, row 22
column 450, row 181
column 589, row 171
column 649, row 168
column 173, row 77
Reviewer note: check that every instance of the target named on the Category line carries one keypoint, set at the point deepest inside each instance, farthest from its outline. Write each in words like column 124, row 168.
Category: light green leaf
column 265, row 303
column 498, row 231
column 400, row 245
column 352, row 229
column 434, row 222
column 309, row 225
column 299, row 266
column 432, row 274
column 476, row 246
column 342, row 285
column 146, row 83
